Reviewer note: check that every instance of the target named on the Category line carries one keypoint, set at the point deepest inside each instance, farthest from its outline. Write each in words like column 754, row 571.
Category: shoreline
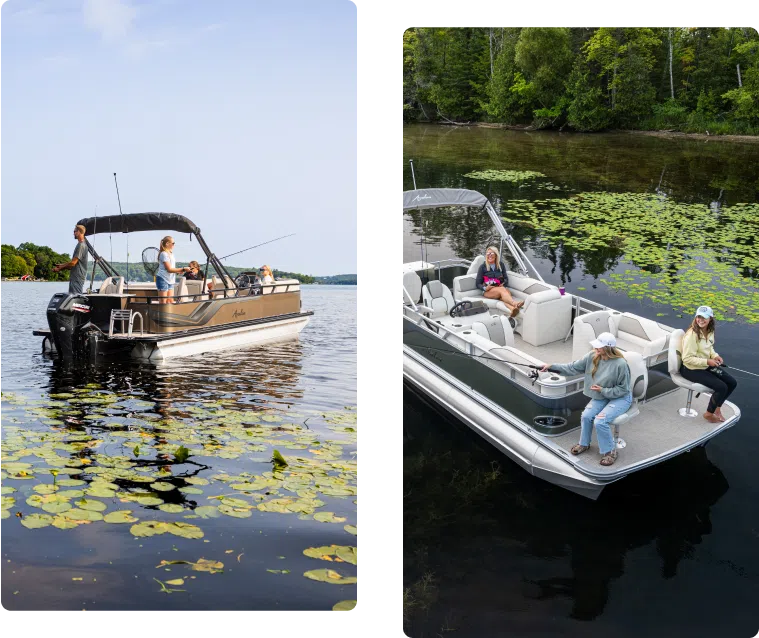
column 666, row 134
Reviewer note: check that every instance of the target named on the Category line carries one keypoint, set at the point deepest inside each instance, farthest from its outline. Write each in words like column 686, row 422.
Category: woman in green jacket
column 701, row 363
column 607, row 383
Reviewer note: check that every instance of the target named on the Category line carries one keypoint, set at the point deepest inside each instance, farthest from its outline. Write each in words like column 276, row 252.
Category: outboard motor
column 66, row 314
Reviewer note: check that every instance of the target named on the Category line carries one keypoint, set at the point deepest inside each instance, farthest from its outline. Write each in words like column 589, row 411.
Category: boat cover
column 434, row 197
column 138, row 222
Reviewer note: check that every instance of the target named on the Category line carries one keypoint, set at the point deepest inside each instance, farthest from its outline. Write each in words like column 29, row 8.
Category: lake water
column 673, row 550
column 82, row 442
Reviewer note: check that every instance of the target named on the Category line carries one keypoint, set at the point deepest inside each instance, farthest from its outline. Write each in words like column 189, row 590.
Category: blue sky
column 240, row 115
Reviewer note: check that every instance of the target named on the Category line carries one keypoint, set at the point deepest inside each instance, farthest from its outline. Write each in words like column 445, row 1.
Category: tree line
column 585, row 79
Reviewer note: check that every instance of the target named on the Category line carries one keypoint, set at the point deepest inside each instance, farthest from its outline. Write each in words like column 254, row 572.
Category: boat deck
column 554, row 352
column 658, row 432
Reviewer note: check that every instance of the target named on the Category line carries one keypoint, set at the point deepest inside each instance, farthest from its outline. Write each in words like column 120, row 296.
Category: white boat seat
column 633, row 333
column 194, row 287
column 639, row 383
column 437, row 296
column 496, row 328
column 180, row 289
column 413, row 286
column 112, row 286
column 674, row 362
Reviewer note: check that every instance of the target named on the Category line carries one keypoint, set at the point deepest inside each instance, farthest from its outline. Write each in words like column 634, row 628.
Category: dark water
column 230, row 409
column 490, row 550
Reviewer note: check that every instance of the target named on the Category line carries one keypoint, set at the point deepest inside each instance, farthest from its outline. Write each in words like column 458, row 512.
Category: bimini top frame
column 141, row 222
column 453, row 197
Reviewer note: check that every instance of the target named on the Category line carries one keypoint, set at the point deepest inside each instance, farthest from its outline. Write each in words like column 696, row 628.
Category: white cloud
column 111, row 18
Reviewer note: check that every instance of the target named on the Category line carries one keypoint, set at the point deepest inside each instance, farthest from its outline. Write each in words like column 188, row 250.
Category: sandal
column 579, row 449
column 609, row 458
column 519, row 304
column 514, row 311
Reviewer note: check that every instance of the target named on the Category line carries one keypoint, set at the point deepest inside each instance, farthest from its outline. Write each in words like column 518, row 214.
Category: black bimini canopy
column 138, row 222
column 434, row 197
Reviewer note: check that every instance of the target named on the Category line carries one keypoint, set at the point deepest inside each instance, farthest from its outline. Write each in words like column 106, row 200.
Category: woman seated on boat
column 607, row 383
column 265, row 274
column 167, row 269
column 193, row 274
column 701, row 363
column 492, row 279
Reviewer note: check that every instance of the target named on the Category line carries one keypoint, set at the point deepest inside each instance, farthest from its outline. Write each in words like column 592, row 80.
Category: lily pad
column 77, row 514
column 91, row 505
column 190, row 490
column 207, row 511
column 171, row 508
column 148, row 528
column 328, row 517
column 330, row 576
column 36, row 521
column 344, row 605
column 185, row 530
column 120, row 516
column 235, row 512
column 351, row 529
column 163, row 487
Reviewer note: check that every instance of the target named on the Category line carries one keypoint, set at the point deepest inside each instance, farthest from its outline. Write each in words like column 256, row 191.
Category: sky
column 239, row 114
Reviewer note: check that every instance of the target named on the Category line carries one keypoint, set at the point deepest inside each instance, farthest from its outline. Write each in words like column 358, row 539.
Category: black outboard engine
column 66, row 314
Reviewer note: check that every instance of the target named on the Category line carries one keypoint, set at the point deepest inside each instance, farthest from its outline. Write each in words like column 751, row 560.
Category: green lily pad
column 235, row 502
column 7, row 489
column 62, row 522
column 197, row 480
column 190, row 490
column 351, row 529
column 328, row 517
column 69, row 482
column 36, row 521
column 148, row 500
column 330, row 576
column 171, row 508
column 93, row 506
column 235, row 512
column 45, row 488
column 207, row 511
column 77, row 514
column 120, row 516
column 8, row 502
column 185, row 530
column 344, row 605
column 163, row 487
column 148, row 528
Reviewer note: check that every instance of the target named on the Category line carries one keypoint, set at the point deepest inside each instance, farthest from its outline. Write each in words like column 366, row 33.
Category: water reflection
column 479, row 524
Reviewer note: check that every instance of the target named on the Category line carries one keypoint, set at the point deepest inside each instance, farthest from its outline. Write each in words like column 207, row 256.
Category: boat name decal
column 419, row 198
column 238, row 313
column 80, row 307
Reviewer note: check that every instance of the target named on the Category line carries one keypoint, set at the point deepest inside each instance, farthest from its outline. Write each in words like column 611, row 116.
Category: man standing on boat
column 78, row 263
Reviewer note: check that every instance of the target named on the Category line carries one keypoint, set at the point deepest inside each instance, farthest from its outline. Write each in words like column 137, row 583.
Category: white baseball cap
column 705, row 312
column 603, row 340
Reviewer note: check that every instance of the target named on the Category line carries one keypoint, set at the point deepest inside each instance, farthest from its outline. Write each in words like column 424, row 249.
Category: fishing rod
column 122, row 222
column 753, row 374
column 421, row 216
column 94, row 261
column 257, row 245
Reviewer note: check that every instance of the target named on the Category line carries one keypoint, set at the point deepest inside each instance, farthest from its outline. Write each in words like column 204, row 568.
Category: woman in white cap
column 701, row 363
column 607, row 383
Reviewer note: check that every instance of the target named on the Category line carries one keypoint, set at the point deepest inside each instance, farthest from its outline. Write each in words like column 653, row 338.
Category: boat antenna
column 257, row 245
column 122, row 222
column 421, row 218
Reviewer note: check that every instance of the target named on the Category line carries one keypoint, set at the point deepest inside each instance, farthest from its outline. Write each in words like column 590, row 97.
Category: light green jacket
column 696, row 351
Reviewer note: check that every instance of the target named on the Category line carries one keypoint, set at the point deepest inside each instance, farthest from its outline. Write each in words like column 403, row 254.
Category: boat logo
column 238, row 313
column 419, row 198
column 80, row 307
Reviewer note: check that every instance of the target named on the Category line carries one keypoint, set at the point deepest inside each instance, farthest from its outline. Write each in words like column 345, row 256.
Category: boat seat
column 412, row 285
column 496, row 328
column 437, row 296
column 546, row 315
column 633, row 333
column 180, row 289
column 112, row 286
column 639, row 383
column 674, row 362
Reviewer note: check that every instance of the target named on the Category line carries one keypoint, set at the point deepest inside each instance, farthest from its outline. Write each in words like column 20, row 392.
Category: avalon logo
column 419, row 198
column 238, row 313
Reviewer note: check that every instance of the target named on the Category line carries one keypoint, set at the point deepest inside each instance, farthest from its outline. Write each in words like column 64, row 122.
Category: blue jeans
column 602, row 412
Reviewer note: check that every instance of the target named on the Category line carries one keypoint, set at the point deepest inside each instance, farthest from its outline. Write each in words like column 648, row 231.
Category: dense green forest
column 30, row 259
column 586, row 79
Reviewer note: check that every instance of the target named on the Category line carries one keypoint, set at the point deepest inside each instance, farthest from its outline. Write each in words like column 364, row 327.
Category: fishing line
column 257, row 245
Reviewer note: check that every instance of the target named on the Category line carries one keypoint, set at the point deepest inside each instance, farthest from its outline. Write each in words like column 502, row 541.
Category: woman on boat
column 607, row 383
column 492, row 279
column 193, row 274
column 167, row 269
column 266, row 276
column 701, row 363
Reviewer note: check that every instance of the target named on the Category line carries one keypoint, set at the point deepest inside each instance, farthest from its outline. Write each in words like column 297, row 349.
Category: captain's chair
column 112, row 286
column 586, row 328
column 674, row 363
column 437, row 296
column 639, row 383
column 496, row 328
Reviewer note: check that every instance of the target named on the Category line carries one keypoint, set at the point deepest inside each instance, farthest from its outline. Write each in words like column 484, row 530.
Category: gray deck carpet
column 657, row 430
column 555, row 352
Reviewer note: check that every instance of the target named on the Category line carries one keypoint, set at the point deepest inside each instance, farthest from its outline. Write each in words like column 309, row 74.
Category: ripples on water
column 230, row 409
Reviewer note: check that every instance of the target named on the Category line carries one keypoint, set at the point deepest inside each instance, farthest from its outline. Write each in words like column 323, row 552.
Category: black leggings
column 720, row 381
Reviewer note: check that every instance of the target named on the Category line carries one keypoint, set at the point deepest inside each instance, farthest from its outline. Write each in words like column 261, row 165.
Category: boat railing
column 225, row 292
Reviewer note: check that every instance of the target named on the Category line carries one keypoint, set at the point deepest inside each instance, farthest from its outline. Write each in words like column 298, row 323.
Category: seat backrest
column 112, row 286
column 475, row 265
column 413, row 285
column 193, row 286
column 674, row 359
column 437, row 296
column 495, row 328
column 181, row 288
column 587, row 327
column 466, row 286
column 638, row 374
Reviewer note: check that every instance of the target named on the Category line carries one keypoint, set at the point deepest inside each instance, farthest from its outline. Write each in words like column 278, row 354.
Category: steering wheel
column 459, row 308
column 242, row 281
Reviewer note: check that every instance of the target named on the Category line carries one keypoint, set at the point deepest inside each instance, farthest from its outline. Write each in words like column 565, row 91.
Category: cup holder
column 549, row 423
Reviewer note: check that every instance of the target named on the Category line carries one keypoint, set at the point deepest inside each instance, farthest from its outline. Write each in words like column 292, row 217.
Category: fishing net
column 150, row 260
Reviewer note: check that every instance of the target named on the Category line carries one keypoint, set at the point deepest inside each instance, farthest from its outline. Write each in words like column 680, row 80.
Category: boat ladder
column 125, row 316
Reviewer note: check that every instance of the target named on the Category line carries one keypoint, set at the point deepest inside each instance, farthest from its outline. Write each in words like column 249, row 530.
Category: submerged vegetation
column 702, row 80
